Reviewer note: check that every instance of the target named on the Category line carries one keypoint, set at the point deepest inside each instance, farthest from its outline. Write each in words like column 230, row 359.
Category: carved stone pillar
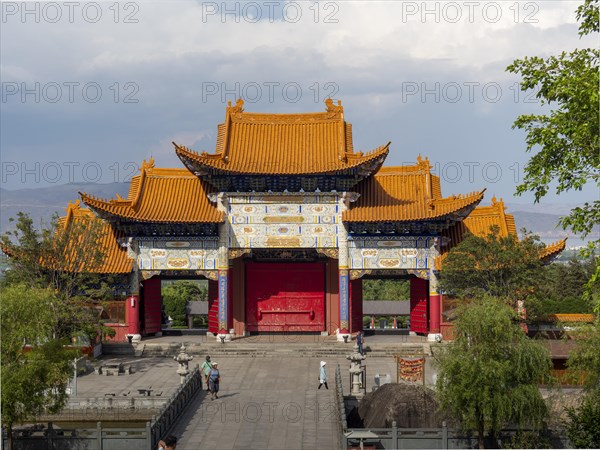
column 132, row 304
column 223, row 272
column 343, row 264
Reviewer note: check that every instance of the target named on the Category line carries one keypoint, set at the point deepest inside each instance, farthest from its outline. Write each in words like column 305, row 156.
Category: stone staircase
column 282, row 350
column 118, row 348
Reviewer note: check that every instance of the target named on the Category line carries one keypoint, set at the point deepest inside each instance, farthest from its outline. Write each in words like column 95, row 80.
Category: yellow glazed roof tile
column 405, row 193
column 114, row 256
column 283, row 144
column 161, row 195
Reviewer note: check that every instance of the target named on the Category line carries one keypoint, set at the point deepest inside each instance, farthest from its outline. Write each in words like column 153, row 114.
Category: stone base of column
column 434, row 337
column 135, row 338
column 343, row 337
column 224, row 337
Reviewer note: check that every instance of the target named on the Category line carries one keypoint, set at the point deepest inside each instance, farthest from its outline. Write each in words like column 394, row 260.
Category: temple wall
column 391, row 252
column 178, row 254
column 283, row 221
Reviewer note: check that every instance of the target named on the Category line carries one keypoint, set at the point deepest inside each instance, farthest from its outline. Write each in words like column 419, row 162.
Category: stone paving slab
column 159, row 373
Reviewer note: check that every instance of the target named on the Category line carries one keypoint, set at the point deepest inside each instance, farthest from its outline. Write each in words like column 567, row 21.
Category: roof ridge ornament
column 147, row 164
column 423, row 164
column 238, row 108
column 331, row 108
column 498, row 203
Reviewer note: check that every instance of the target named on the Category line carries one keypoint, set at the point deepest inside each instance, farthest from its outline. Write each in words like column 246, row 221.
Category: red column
column 435, row 312
column 132, row 314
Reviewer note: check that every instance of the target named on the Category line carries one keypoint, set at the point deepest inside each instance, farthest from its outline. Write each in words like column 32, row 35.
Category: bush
column 583, row 428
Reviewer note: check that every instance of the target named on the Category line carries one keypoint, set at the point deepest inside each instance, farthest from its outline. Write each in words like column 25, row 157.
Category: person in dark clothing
column 214, row 377
column 360, row 340
column 168, row 443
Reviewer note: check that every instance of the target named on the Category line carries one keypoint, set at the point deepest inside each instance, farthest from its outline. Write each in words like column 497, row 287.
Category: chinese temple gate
column 284, row 220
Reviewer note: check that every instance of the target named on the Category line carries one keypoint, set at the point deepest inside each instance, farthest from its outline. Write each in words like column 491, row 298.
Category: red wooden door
column 419, row 294
column 285, row 297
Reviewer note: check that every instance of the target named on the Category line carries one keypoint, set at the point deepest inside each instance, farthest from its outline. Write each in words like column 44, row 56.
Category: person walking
column 323, row 376
column 360, row 340
column 206, row 366
column 214, row 377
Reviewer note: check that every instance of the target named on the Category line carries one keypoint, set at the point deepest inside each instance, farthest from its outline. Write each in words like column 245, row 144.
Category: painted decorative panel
column 283, row 221
column 165, row 254
column 406, row 252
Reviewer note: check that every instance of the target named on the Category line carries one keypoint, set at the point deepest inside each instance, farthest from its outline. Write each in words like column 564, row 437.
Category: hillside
column 41, row 203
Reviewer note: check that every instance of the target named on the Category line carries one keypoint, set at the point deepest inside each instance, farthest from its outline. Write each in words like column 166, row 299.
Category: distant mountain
column 559, row 209
column 544, row 225
column 41, row 203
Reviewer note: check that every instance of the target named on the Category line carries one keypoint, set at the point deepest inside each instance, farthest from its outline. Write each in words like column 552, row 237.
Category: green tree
column 561, row 289
column 494, row 265
column 488, row 376
column 66, row 260
column 382, row 289
column 33, row 381
column 176, row 295
column 583, row 428
column 567, row 139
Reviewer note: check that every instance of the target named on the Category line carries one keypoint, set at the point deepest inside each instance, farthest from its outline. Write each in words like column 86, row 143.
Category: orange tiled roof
column 396, row 194
column 584, row 318
column 479, row 223
column 553, row 250
column 115, row 259
column 161, row 195
column 283, row 144
column 483, row 217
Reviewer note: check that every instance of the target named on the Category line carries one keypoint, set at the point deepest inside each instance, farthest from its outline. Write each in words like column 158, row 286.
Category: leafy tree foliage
column 52, row 292
column 568, row 138
column 561, row 289
column 488, row 377
column 176, row 295
column 498, row 266
column 64, row 259
column 382, row 289
column 33, row 381
column 583, row 428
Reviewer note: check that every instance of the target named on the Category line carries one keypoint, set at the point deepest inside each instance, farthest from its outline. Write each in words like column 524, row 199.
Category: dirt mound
column 410, row 406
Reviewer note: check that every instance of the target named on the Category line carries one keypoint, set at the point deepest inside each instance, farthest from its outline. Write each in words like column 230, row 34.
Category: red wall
column 121, row 331
column 419, row 294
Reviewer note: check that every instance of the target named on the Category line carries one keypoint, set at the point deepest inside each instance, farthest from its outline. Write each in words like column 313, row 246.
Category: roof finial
column 331, row 107
column 423, row 163
column 147, row 164
column 238, row 108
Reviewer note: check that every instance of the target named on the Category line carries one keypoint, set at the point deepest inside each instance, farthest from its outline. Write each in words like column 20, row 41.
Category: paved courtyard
column 265, row 402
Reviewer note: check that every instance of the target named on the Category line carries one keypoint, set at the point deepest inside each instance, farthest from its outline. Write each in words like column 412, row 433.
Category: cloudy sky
column 90, row 89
